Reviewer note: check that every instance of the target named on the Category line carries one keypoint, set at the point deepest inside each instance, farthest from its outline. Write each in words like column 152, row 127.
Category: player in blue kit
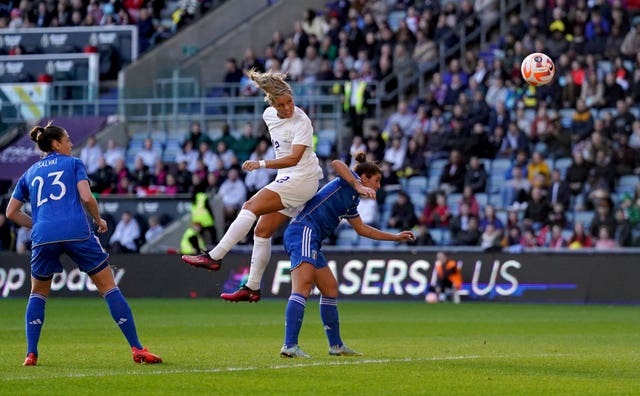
column 58, row 190
column 303, row 238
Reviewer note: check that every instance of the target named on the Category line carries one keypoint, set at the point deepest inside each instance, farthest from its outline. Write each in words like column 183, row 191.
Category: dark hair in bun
column 45, row 135
column 364, row 167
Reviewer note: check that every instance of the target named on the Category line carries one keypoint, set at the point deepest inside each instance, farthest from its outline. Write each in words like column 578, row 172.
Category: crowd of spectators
column 473, row 115
column 155, row 22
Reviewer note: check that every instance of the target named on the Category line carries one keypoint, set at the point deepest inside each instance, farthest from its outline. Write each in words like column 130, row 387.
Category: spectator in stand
column 490, row 218
column 233, row 75
column 104, row 179
column 183, row 177
column 559, row 190
column 146, row 29
column 491, row 238
column 376, row 144
column 476, row 176
column 622, row 233
column 402, row 116
column 515, row 189
column 196, row 135
column 436, row 212
column 159, row 174
column 469, row 237
column 148, row 154
column 312, row 24
column 414, row 161
column 603, row 218
column 234, row 193
column 113, row 153
column 537, row 211
column 592, row 92
column 579, row 239
column 577, row 173
column 460, row 222
column 453, row 174
column 171, row 187
column 604, row 240
column 91, row 154
column 582, row 122
column 402, row 213
column 538, row 166
column 357, row 145
column 521, row 161
column 209, row 158
column 469, row 198
column 311, row 64
column 125, row 236
column 395, row 154
column 140, row 175
column 188, row 155
column 154, row 231
column 226, row 155
column 556, row 240
column 292, row 65
column 246, row 144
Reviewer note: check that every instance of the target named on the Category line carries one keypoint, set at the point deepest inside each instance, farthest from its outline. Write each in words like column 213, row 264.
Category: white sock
column 237, row 230
column 260, row 257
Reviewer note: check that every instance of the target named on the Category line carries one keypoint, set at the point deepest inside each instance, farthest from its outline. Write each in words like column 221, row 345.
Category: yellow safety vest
column 360, row 89
column 199, row 212
column 185, row 245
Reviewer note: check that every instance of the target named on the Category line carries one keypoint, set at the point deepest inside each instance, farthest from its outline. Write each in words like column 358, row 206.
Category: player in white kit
column 296, row 182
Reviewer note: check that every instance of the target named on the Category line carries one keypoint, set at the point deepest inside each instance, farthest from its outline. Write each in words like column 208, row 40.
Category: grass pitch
column 213, row 347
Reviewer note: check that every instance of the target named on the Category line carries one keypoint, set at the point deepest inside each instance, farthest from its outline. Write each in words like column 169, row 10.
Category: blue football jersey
column 50, row 185
column 335, row 201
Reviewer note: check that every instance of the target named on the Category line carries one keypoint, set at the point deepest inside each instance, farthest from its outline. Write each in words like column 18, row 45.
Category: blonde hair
column 273, row 84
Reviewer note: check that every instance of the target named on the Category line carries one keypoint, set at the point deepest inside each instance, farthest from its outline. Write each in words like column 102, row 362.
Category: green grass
column 213, row 347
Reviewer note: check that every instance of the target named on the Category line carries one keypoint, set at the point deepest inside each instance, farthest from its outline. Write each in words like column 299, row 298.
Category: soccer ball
column 537, row 69
column 431, row 298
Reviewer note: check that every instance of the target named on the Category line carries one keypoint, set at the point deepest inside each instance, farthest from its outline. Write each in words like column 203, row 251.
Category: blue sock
column 295, row 314
column 329, row 315
column 34, row 318
column 121, row 313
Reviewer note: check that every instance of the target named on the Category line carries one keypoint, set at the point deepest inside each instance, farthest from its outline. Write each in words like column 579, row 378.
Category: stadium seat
column 499, row 166
column 562, row 164
column 419, row 200
column 627, row 184
column 453, row 201
column 417, row 184
column 441, row 236
column 583, row 216
column 436, row 166
column 482, row 199
column 347, row 237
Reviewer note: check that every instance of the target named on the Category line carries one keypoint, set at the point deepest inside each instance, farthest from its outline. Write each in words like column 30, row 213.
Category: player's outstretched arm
column 367, row 231
column 297, row 150
column 345, row 174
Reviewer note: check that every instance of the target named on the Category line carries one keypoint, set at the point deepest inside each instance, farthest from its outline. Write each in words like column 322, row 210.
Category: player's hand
column 405, row 236
column 250, row 165
column 102, row 226
column 365, row 192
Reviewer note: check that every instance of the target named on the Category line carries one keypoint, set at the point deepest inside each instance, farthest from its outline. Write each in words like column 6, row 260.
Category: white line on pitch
column 350, row 362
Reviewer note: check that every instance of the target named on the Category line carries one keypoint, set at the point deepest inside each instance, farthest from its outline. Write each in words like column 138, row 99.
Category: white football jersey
column 285, row 132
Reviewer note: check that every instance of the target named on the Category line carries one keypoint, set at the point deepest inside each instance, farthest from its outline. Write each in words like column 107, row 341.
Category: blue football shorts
column 88, row 255
column 302, row 244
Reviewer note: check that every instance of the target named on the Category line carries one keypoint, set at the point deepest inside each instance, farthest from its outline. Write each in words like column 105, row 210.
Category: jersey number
column 55, row 182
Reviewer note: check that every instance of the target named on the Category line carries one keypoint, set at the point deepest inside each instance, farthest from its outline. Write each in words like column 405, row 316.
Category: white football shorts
column 293, row 193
